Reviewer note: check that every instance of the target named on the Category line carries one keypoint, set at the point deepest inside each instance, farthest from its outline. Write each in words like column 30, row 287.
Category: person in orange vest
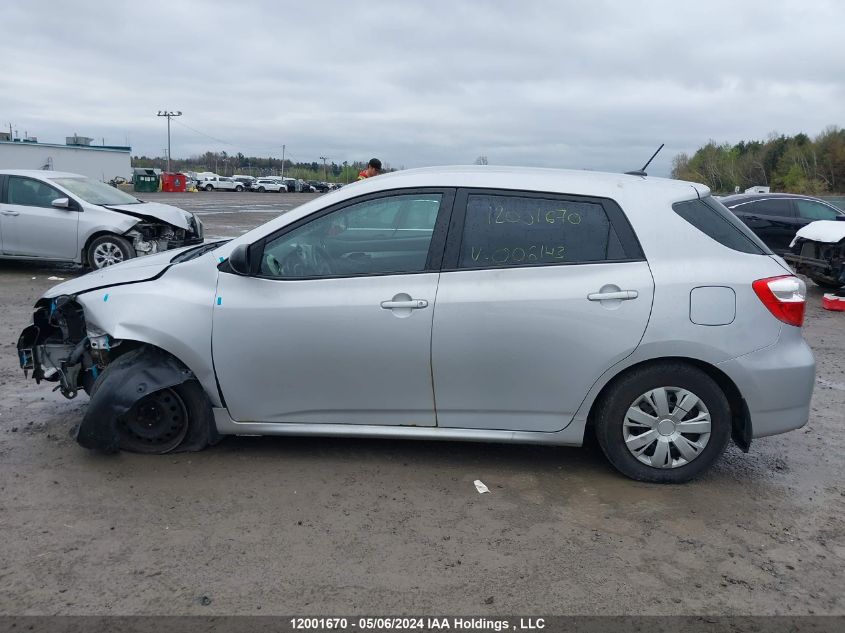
column 373, row 169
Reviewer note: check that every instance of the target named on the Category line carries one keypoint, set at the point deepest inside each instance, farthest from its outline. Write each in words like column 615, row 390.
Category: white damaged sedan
column 63, row 217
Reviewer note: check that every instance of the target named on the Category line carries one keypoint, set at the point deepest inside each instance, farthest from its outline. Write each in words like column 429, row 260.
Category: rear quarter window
column 714, row 220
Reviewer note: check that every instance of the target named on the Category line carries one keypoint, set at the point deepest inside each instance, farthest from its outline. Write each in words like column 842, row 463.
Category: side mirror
column 61, row 203
column 239, row 259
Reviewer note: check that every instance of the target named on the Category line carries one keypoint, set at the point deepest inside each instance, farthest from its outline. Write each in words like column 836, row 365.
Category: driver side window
column 31, row 193
column 361, row 239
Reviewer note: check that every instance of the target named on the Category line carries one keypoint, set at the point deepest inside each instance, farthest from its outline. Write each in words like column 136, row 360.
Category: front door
column 332, row 328
column 539, row 296
column 31, row 226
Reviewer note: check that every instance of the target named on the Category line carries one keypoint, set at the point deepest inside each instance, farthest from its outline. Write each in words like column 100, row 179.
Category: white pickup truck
column 211, row 183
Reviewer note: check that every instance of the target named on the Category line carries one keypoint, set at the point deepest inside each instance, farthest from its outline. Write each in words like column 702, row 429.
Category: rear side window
column 502, row 231
column 712, row 218
column 779, row 207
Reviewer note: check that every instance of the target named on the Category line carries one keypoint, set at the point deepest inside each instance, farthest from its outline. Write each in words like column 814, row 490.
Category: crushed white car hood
column 164, row 212
column 829, row 231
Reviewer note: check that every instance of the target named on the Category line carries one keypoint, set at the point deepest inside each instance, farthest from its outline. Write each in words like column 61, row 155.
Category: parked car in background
column 776, row 217
column 467, row 303
column 320, row 187
column 57, row 216
column 223, row 183
column 291, row 184
column 269, row 184
column 246, row 181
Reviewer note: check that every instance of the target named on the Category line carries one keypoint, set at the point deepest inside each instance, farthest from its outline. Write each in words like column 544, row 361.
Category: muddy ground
column 317, row 526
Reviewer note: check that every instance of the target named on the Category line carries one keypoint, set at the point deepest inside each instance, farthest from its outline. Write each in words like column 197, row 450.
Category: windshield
column 95, row 192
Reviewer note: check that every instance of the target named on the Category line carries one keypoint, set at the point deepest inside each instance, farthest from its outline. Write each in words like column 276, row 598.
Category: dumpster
column 145, row 179
column 173, row 182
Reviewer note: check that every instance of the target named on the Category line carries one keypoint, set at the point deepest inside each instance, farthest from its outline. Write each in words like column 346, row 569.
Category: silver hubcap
column 667, row 427
column 106, row 254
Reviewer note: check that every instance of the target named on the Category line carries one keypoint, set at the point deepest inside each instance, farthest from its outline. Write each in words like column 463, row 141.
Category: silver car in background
column 469, row 303
column 57, row 216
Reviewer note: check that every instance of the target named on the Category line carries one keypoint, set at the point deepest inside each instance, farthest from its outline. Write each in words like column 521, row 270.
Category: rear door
column 31, row 226
column 540, row 294
column 774, row 220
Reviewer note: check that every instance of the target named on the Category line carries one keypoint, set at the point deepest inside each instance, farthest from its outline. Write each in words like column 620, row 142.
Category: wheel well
column 740, row 416
column 90, row 239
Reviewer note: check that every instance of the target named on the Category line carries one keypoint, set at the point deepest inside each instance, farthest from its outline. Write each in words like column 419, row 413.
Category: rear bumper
column 776, row 383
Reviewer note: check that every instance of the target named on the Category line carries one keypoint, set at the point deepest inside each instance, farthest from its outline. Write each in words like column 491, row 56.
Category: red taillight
column 784, row 296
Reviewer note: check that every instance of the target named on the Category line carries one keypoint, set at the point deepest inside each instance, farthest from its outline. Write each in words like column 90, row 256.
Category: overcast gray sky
column 595, row 85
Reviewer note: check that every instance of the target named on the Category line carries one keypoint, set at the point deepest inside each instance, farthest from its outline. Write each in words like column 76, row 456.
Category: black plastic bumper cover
column 125, row 381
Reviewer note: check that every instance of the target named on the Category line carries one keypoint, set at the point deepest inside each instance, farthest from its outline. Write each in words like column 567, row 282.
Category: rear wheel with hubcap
column 664, row 423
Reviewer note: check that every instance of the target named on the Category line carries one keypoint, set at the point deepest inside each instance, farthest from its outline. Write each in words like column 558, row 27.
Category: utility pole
column 325, row 169
column 283, row 161
column 169, row 115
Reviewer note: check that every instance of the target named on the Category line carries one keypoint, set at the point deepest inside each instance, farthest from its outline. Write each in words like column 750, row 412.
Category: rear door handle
column 619, row 295
column 413, row 304
column 5, row 212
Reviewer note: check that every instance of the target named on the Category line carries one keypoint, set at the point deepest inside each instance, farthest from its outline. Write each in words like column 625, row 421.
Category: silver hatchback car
column 58, row 216
column 467, row 303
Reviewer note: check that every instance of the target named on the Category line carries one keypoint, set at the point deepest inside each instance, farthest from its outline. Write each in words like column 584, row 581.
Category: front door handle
column 411, row 304
column 619, row 295
column 5, row 212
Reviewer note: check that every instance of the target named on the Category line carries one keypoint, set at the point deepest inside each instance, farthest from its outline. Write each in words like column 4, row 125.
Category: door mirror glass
column 61, row 203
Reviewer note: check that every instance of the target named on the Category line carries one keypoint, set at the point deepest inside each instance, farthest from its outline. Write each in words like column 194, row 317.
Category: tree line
column 226, row 164
column 794, row 164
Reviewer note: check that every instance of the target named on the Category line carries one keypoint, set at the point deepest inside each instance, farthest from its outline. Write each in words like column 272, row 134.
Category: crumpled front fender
column 125, row 381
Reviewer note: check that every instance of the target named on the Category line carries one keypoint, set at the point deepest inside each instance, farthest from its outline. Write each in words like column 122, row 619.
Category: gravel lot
column 324, row 526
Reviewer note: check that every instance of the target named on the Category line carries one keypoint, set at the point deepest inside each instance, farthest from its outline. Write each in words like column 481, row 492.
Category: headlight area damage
column 149, row 237
column 142, row 399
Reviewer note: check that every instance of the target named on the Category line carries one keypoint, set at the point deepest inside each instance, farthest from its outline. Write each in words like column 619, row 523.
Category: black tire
column 209, row 188
column 625, row 391
column 239, row 188
column 261, row 190
column 194, row 433
column 107, row 250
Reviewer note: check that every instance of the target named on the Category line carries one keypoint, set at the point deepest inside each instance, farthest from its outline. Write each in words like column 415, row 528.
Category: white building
column 99, row 162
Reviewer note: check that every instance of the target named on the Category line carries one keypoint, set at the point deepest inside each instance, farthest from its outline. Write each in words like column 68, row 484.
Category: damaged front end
column 141, row 404
column 61, row 347
column 149, row 237
column 823, row 262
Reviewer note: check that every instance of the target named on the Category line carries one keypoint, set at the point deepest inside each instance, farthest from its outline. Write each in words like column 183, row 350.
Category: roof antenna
column 641, row 172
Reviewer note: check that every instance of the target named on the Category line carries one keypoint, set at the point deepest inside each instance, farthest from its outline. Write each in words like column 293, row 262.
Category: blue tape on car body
column 222, row 259
column 94, row 371
column 220, row 301
column 106, row 297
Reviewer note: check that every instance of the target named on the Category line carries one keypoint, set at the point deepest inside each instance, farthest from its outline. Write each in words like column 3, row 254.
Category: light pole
column 169, row 115
column 325, row 169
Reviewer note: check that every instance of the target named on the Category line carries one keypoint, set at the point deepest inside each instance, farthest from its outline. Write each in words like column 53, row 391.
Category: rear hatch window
column 713, row 219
